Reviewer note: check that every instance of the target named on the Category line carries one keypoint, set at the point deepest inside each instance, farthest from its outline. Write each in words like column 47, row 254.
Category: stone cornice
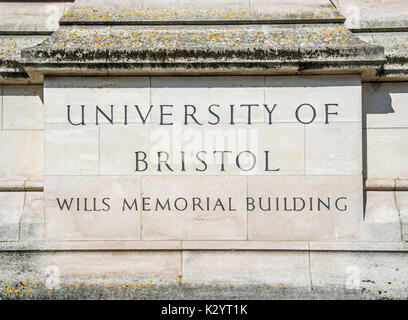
column 283, row 38
column 273, row 48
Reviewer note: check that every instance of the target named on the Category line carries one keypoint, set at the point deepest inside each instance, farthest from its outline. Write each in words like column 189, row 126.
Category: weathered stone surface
column 191, row 4
column 10, row 50
column 401, row 184
column 58, row 269
column 123, row 47
column 395, row 49
column 239, row 245
column 104, row 92
column 362, row 14
column 205, row 91
column 11, row 46
column 267, row 268
column 256, row 41
column 214, row 47
column 380, row 184
column 22, row 155
column 23, row 107
column 11, row 210
column 382, row 275
column 1, row 106
column 333, row 149
column 332, row 275
column 287, row 156
column 189, row 224
column 381, row 217
column 203, row 274
column 31, row 17
column 109, row 150
column 32, row 224
column 210, row 245
column 382, row 23
column 386, row 153
column 401, row 198
column 145, row 265
column 174, row 12
column 34, row 185
column 359, row 246
column 289, row 93
column 12, row 185
column 311, row 223
column 91, row 220
column 111, row 4
column 71, row 150
column 384, row 105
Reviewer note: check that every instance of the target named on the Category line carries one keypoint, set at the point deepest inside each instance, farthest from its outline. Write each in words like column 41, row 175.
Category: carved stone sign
column 203, row 158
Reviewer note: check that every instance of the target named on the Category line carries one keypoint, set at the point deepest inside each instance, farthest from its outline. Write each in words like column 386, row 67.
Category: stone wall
column 78, row 256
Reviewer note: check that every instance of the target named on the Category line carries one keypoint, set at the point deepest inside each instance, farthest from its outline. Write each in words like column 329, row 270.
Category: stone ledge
column 386, row 185
column 10, row 49
column 203, row 274
column 395, row 49
column 271, row 47
column 21, row 185
column 273, row 14
column 143, row 245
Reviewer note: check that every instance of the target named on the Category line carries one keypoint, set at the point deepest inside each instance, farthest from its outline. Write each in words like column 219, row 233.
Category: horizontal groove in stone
column 202, row 22
column 370, row 185
column 374, row 246
column 26, row 33
column 379, row 29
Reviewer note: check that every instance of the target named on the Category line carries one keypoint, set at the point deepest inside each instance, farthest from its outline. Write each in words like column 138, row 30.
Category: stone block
column 95, row 208
column 381, row 218
column 31, row 16
column 304, row 217
column 285, row 156
column 118, row 147
column 23, row 107
column 71, row 151
column 137, row 265
column 383, row 274
column 401, row 198
column 384, row 105
column 220, row 222
column 283, row 269
column 380, row 184
column 333, row 149
column 289, row 93
column 32, row 225
column 202, row 92
column 104, row 92
column 387, row 151
column 401, row 184
column 22, row 155
column 11, row 210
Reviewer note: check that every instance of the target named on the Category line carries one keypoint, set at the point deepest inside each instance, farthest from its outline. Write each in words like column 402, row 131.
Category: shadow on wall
column 377, row 101
column 23, row 90
column 383, row 106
